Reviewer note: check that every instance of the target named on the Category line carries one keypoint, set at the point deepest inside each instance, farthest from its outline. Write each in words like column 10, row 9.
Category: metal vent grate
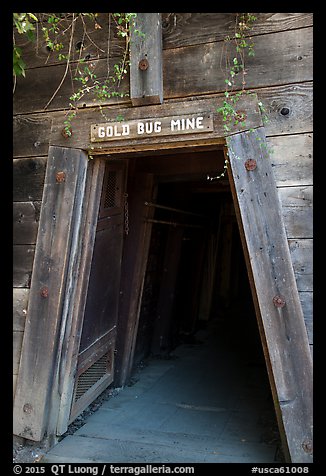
column 91, row 376
column 111, row 190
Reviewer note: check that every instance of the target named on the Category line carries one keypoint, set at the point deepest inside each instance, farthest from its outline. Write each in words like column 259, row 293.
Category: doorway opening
column 197, row 313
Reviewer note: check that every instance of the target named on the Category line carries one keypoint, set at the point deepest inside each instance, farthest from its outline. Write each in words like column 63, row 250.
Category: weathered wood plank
column 282, row 328
column 185, row 29
column 179, row 29
column 83, row 121
column 23, row 257
column 292, row 159
column 62, row 199
column 302, row 261
column 25, row 222
column 146, row 69
column 187, row 71
column 296, row 98
column 46, row 81
column 71, row 347
column 28, row 179
column 31, row 135
column 197, row 69
column 85, row 47
column 20, row 303
column 14, row 382
column 306, row 299
column 17, row 345
column 289, row 108
column 297, row 211
column 133, row 270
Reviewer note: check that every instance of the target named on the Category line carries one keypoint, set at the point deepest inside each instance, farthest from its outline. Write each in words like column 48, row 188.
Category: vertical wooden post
column 133, row 272
column 166, row 300
column 52, row 280
column 274, row 289
column 146, row 75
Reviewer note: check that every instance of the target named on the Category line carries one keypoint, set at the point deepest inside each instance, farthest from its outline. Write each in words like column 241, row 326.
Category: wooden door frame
column 289, row 365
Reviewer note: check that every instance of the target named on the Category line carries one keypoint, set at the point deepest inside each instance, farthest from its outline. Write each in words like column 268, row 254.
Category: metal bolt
column 60, row 177
column 27, row 408
column 66, row 132
column 143, row 64
column 250, row 164
column 44, row 292
column 240, row 116
column 307, row 446
column 279, row 301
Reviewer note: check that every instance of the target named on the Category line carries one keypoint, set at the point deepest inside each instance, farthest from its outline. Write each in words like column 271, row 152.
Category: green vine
column 242, row 45
column 237, row 48
column 51, row 29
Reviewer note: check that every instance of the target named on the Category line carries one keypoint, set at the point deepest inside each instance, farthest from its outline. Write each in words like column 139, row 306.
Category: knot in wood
column 279, row 301
column 143, row 64
column 250, row 164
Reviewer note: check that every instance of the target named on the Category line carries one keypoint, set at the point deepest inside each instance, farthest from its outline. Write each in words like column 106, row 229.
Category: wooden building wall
column 280, row 73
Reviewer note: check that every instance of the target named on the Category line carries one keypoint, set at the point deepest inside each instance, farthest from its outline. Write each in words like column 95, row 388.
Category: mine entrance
column 195, row 270
column 196, row 296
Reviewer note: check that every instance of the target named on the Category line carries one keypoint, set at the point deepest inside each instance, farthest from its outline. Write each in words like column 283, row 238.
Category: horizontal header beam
column 149, row 139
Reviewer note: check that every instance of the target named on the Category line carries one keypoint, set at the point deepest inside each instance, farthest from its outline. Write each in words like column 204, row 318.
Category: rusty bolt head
column 279, row 301
column 307, row 446
column 250, row 164
column 240, row 116
column 44, row 292
column 60, row 177
column 66, row 132
column 143, row 64
column 27, row 408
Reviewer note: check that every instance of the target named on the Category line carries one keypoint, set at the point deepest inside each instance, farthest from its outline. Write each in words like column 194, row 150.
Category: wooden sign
column 158, row 126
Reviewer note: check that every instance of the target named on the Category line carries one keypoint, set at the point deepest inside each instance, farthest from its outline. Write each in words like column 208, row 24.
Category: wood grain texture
column 52, row 262
column 292, row 159
column 133, row 272
column 197, row 69
column 146, row 85
column 81, row 128
column 31, row 135
column 89, row 42
column 28, row 179
column 35, row 91
column 283, row 330
column 179, row 29
column 297, row 210
column 23, row 258
column 302, row 261
column 20, row 303
column 296, row 100
column 187, row 71
column 17, row 344
column 25, row 222
column 185, row 29
column 306, row 299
